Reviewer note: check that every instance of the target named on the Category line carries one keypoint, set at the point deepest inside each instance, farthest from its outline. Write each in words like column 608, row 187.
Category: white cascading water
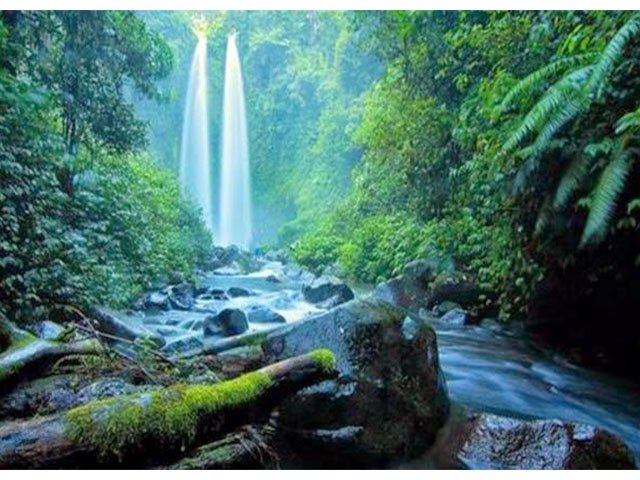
column 235, row 184
column 195, row 158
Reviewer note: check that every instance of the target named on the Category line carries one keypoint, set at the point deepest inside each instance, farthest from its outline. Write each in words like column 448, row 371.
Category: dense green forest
column 376, row 138
column 441, row 210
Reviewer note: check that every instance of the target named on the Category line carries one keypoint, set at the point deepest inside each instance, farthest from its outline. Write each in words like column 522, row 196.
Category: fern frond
column 558, row 95
column 610, row 56
column 629, row 122
column 533, row 80
column 571, row 180
column 559, row 119
column 605, row 196
column 544, row 215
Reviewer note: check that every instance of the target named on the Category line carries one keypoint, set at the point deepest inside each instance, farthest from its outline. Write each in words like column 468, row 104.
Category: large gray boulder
column 227, row 322
column 181, row 296
column 426, row 283
column 262, row 314
column 487, row 441
column 390, row 398
column 328, row 290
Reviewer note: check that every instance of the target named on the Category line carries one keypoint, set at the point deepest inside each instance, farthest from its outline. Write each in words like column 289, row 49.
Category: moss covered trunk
column 23, row 353
column 154, row 428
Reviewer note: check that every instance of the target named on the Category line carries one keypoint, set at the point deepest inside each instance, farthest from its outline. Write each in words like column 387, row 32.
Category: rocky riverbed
column 415, row 385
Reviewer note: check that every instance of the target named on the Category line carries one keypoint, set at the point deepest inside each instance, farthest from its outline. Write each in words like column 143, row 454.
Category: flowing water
column 493, row 370
column 487, row 368
column 235, row 185
column 195, row 159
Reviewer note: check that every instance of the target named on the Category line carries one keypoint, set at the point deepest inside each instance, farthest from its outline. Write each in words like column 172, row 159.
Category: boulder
column 155, row 301
column 488, row 441
column 227, row 322
column 411, row 289
column 456, row 317
column 181, row 296
column 262, row 314
column 39, row 396
column 129, row 328
column 426, row 283
column 390, row 398
column 326, row 288
column 238, row 292
column 444, row 307
column 274, row 278
column 457, row 288
column 48, row 330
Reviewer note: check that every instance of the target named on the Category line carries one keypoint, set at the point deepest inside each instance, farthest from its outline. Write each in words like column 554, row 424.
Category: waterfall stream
column 234, row 226
column 195, row 158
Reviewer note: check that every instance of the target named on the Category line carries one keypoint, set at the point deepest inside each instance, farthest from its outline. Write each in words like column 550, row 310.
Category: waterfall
column 235, row 197
column 194, row 150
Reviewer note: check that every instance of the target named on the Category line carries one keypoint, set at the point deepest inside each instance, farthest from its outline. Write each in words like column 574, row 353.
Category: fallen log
column 157, row 427
column 26, row 352
column 222, row 345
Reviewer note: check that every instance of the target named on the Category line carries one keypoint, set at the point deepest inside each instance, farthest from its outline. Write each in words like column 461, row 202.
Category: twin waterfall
column 234, row 215
column 235, row 197
column 195, row 158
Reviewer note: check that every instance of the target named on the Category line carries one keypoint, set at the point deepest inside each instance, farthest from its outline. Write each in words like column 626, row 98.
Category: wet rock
column 457, row 288
column 325, row 288
column 227, row 322
column 262, row 314
column 444, row 307
column 129, row 328
column 426, row 283
column 411, row 289
column 491, row 324
column 181, row 296
column 490, row 441
column 274, row 278
column 48, row 330
column 40, row 396
column 238, row 292
column 152, row 301
column 390, row 391
column 104, row 388
column 456, row 317
column 184, row 343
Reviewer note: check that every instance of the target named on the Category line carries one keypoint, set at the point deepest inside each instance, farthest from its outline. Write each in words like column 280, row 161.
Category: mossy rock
column 391, row 389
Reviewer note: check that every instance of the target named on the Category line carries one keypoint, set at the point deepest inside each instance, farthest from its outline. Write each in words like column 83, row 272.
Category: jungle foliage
column 505, row 141
column 87, row 216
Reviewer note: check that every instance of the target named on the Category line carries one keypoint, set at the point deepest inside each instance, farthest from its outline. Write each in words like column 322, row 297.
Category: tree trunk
column 157, row 427
column 26, row 353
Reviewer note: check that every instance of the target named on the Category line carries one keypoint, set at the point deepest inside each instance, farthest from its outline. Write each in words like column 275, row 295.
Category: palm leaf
column 605, row 196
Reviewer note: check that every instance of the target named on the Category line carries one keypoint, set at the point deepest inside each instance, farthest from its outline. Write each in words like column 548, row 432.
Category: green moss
column 325, row 358
column 170, row 418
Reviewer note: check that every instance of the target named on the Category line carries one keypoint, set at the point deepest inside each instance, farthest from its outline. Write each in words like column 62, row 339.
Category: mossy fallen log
column 156, row 428
column 25, row 353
